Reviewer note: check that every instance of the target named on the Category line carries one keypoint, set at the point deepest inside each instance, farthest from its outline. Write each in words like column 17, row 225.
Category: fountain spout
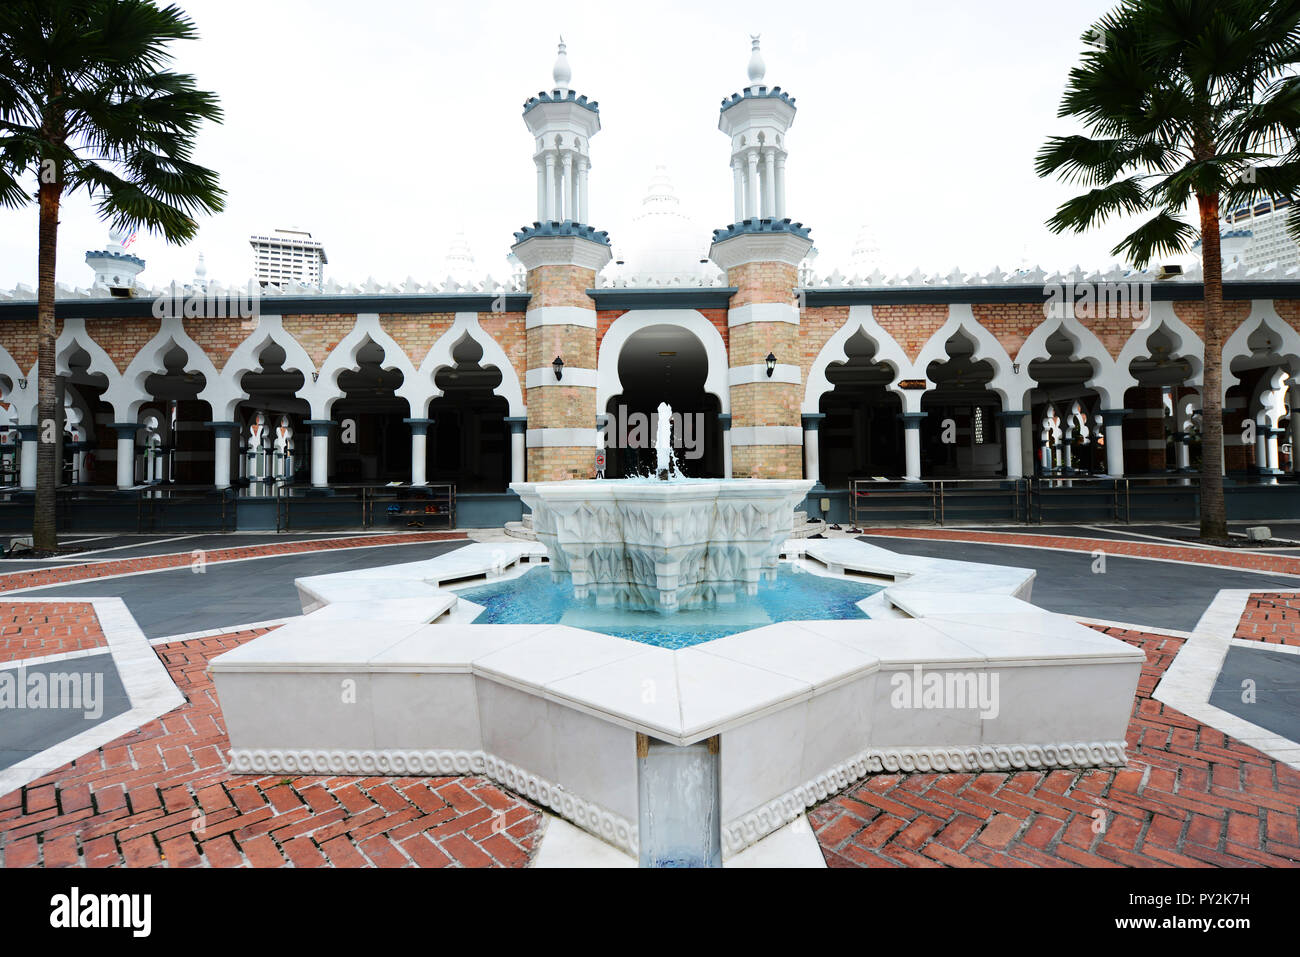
column 664, row 442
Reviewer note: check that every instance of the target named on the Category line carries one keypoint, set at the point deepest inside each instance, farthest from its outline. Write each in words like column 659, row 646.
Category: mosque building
column 778, row 369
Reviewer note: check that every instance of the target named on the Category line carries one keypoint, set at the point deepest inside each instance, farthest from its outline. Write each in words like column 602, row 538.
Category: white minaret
column 562, row 124
column 757, row 120
column 115, row 268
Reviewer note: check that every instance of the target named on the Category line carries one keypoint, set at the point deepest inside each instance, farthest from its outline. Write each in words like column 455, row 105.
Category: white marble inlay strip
column 1190, row 678
column 144, row 677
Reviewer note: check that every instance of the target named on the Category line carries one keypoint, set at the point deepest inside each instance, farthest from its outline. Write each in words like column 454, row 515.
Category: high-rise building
column 1268, row 241
column 288, row 255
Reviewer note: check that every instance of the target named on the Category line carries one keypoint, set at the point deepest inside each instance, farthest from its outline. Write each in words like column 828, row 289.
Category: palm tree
column 1186, row 101
column 87, row 104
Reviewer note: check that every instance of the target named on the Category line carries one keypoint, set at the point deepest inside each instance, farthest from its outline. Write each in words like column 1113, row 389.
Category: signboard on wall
column 911, row 384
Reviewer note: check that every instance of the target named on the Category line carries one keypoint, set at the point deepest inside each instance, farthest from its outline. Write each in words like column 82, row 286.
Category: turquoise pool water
column 533, row 598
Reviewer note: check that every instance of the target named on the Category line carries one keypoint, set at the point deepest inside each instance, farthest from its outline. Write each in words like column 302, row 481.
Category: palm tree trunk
column 44, row 530
column 1214, row 519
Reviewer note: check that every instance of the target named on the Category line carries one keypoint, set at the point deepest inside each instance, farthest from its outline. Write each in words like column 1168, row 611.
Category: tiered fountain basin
column 387, row 673
column 652, row 545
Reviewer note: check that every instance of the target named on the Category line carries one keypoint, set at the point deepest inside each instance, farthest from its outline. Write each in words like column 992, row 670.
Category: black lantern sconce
column 771, row 364
column 558, row 366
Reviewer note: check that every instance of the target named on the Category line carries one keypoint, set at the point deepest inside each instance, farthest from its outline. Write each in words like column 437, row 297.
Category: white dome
column 664, row 245
column 458, row 264
column 865, row 258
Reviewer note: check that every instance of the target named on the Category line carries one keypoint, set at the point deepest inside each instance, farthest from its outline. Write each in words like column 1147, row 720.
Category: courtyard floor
column 1192, row 795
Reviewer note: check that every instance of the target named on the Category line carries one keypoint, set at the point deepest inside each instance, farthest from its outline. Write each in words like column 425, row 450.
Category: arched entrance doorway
column 663, row 362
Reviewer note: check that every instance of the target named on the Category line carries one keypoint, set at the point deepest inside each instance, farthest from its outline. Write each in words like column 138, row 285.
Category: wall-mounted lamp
column 315, row 376
column 558, row 366
column 1015, row 367
column 22, row 383
column 771, row 364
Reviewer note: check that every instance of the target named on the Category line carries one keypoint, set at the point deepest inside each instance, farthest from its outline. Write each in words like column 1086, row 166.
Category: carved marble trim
column 590, row 817
column 749, row 828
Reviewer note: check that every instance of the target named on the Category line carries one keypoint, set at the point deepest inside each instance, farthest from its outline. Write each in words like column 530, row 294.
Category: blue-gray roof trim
column 565, row 228
column 746, row 226
column 554, row 96
column 762, row 93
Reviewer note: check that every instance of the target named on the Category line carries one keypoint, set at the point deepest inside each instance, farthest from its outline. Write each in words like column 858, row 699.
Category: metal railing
column 365, row 506
column 936, row 501
column 140, row 510
column 1039, row 500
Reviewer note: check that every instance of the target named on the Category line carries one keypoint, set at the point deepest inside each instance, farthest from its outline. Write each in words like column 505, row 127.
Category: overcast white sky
column 385, row 127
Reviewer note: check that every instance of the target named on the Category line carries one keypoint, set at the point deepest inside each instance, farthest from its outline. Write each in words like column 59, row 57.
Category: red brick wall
column 319, row 335
column 507, row 328
column 416, row 334
column 816, row 326
column 912, row 326
column 218, row 338
column 122, row 339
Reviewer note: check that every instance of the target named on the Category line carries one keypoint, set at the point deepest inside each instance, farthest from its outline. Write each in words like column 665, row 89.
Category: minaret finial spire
column 757, row 68
column 561, row 73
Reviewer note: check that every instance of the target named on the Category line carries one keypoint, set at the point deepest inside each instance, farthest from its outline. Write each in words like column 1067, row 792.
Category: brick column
column 562, row 260
column 761, row 259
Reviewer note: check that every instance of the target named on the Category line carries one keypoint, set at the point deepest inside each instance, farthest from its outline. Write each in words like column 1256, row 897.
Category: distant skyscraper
column 1267, row 241
column 288, row 255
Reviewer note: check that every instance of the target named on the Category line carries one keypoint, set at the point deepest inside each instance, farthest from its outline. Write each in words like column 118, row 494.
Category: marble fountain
column 681, row 753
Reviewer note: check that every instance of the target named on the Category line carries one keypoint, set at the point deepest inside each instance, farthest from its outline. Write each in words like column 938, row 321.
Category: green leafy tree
column 88, row 103
column 1191, row 106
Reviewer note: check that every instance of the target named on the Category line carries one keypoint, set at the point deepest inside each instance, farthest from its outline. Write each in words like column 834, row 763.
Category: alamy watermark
column 959, row 690
column 1121, row 300
column 179, row 302
column 636, row 430
column 39, row 690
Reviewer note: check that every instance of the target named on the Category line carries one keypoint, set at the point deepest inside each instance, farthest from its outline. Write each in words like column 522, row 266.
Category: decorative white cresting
column 561, row 73
column 757, row 68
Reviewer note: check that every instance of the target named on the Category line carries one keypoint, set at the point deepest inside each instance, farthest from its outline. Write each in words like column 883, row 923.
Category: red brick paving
column 1225, row 558
column 38, row 628
column 69, row 573
column 1189, row 797
column 161, row 796
column 1274, row 619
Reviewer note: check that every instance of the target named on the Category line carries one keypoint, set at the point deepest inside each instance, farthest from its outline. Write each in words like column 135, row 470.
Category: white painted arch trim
column 608, row 383
column 1186, row 344
column 887, row 350
column 225, row 395
column 128, row 395
column 344, row 358
column 1237, row 345
column 1006, row 383
column 466, row 324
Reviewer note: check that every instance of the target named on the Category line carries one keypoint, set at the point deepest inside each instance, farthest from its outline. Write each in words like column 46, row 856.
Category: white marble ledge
column 415, row 579
column 417, row 611
column 680, row 696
